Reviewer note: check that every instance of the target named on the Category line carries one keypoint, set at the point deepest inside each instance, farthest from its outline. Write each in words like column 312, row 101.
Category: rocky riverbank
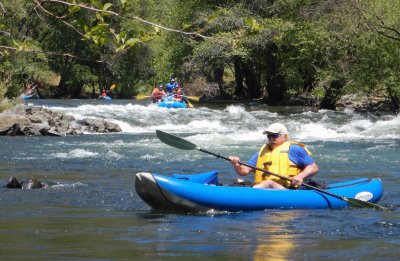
column 23, row 120
column 373, row 104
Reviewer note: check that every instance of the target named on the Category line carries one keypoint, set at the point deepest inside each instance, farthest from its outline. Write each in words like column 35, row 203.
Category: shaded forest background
column 272, row 50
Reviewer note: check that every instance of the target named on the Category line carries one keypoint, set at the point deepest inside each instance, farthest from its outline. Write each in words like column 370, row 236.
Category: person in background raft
column 158, row 93
column 103, row 93
column 280, row 156
column 179, row 94
column 169, row 87
column 29, row 90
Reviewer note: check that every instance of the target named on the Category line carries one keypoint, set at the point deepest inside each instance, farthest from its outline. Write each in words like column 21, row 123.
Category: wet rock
column 13, row 183
column 362, row 104
column 112, row 127
column 7, row 120
column 304, row 99
column 68, row 118
column 14, row 130
column 93, row 124
column 101, row 126
column 51, row 132
column 25, row 120
column 74, row 129
column 36, row 130
column 31, row 183
column 4, row 131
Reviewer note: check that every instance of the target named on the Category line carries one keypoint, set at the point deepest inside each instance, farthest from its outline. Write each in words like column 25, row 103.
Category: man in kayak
column 280, row 156
column 30, row 90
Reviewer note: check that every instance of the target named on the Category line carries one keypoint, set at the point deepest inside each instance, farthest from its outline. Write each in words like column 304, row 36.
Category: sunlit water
column 92, row 212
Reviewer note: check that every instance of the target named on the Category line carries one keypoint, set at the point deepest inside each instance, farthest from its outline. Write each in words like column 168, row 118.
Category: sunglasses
column 273, row 135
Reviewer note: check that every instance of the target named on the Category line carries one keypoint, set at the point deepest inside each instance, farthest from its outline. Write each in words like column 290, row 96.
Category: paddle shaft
column 142, row 97
column 274, row 174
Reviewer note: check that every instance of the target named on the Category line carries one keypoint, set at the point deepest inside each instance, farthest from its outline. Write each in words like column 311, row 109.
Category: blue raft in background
column 32, row 96
column 201, row 192
column 170, row 103
column 108, row 98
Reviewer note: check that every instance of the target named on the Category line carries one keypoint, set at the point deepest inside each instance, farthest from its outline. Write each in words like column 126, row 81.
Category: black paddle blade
column 175, row 141
column 364, row 204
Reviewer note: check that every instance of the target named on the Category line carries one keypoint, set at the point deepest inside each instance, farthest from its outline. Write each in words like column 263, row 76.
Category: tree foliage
column 249, row 49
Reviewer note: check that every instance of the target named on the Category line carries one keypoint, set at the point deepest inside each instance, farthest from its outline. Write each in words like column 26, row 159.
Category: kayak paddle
column 190, row 105
column 193, row 98
column 141, row 97
column 183, row 144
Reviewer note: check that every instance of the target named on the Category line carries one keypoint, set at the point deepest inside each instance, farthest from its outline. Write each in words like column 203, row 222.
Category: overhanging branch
column 52, row 53
column 91, row 8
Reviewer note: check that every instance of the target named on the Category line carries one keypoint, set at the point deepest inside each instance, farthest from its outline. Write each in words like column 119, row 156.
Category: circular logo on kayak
column 364, row 196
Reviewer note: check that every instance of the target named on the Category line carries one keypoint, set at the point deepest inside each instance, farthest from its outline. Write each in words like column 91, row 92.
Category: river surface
column 92, row 212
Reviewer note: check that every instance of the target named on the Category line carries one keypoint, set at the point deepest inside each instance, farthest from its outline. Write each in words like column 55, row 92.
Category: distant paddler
column 103, row 95
column 30, row 92
column 180, row 96
column 158, row 93
column 169, row 87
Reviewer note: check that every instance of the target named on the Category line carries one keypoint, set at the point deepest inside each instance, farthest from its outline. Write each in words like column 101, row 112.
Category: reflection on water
column 275, row 238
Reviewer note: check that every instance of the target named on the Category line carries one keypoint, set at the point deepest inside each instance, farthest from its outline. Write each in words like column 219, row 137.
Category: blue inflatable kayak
column 201, row 192
column 32, row 96
column 108, row 98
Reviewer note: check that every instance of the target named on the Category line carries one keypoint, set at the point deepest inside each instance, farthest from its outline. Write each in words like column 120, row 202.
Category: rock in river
column 23, row 120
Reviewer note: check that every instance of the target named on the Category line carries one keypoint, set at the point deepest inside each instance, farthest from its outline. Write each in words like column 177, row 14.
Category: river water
column 92, row 212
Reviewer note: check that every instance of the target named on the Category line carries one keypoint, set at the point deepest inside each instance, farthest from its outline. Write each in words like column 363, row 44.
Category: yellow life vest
column 277, row 161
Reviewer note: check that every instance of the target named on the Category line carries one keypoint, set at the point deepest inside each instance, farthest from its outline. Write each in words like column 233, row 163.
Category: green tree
column 377, row 49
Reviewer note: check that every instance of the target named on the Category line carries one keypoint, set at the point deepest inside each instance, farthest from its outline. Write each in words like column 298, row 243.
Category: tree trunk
column 77, row 90
column 395, row 101
column 252, row 82
column 276, row 87
column 218, row 78
column 395, row 105
column 239, row 88
column 93, row 91
column 332, row 95
column 62, row 87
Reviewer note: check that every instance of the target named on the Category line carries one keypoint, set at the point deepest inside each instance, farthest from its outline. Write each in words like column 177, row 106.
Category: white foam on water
column 114, row 155
column 72, row 185
column 236, row 122
column 314, row 131
column 76, row 153
column 152, row 156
